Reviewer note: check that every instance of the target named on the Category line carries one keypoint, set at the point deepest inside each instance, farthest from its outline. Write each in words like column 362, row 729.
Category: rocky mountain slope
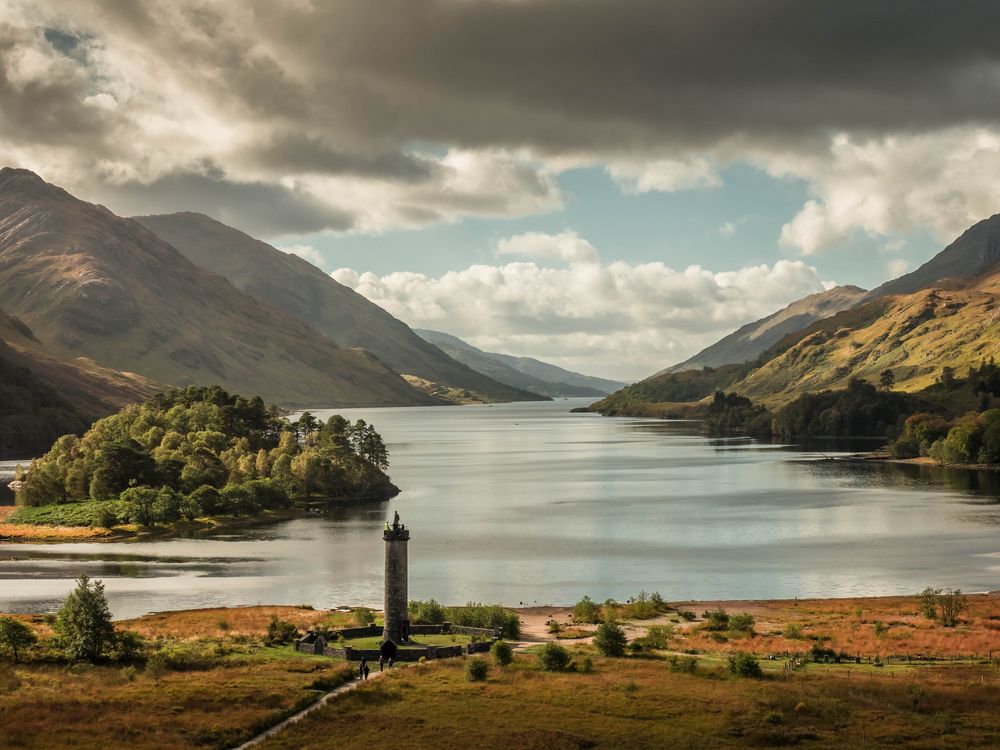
column 914, row 335
column 89, row 283
column 301, row 289
column 753, row 339
column 521, row 372
column 975, row 252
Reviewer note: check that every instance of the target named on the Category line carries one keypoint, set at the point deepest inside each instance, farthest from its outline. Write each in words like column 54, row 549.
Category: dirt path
column 353, row 685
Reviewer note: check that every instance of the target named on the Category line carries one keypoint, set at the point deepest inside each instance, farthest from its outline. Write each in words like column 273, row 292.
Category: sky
column 609, row 186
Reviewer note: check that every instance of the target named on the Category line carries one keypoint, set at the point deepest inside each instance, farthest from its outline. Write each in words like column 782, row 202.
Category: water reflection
column 526, row 502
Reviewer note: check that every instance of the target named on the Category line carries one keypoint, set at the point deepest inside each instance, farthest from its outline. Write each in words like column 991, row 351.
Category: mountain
column 521, row 372
column 42, row 397
column 916, row 336
column 301, row 289
column 753, row 339
column 89, row 283
column 976, row 251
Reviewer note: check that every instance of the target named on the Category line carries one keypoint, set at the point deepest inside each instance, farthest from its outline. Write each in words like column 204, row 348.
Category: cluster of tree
column 730, row 413
column 32, row 415
column 678, row 387
column 860, row 410
column 946, row 606
column 201, row 451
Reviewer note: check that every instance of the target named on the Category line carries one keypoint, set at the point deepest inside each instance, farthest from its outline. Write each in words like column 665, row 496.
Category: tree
column 15, row 636
column 743, row 664
column 84, row 621
column 952, row 604
column 929, row 602
column 887, row 379
column 139, row 504
column 610, row 639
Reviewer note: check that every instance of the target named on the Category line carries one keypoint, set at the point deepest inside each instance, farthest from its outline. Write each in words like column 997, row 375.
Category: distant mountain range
column 943, row 315
column 521, row 372
column 302, row 290
column 753, row 339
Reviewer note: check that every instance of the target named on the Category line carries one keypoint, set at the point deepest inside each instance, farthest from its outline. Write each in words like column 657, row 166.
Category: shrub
column 15, row 637
column 477, row 669
column 792, row 631
column 717, row 619
column 686, row 615
column 554, row 627
column 128, row 645
column 105, row 514
column 281, row 631
column 742, row 623
column 502, row 653
column 156, row 665
column 657, row 636
column 880, row 628
column 586, row 610
column 489, row 616
column 190, row 508
column 743, row 664
column 426, row 613
column 588, row 666
column 84, row 621
column 610, row 639
column 208, row 499
column 128, row 673
column 684, row 664
column 553, row 657
column 363, row 616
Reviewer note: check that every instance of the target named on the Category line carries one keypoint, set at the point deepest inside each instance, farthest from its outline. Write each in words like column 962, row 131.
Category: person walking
column 381, row 662
column 361, row 669
column 366, row 670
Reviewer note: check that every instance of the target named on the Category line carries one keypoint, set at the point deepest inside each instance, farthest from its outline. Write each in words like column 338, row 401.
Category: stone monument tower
column 397, row 623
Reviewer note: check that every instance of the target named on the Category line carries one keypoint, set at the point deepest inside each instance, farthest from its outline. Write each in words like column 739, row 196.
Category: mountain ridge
column 307, row 293
column 89, row 283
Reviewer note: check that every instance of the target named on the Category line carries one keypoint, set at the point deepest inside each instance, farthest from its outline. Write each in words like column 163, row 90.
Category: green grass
column 421, row 640
column 64, row 514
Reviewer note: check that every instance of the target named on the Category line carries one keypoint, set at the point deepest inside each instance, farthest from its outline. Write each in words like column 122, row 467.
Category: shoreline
column 884, row 456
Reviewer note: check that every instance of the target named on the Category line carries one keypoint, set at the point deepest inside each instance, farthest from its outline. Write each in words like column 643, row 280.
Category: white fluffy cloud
column 664, row 175
column 943, row 181
column 618, row 319
column 567, row 246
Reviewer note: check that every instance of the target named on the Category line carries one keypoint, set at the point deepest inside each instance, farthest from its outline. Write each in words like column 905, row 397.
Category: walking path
column 355, row 683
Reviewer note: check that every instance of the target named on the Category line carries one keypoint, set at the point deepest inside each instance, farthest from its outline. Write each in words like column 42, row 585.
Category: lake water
column 529, row 503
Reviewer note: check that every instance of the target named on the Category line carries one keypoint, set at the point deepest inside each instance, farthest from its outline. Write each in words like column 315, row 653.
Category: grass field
column 640, row 703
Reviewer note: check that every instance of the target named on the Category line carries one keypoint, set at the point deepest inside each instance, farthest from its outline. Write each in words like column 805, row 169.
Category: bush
column 128, row 673
column 588, row 666
column 686, row 615
column 139, row 505
column 281, row 631
column 553, row 657
column 190, row 508
column 683, row 664
column 128, row 645
column 742, row 624
column 792, row 631
column 363, row 616
column 477, row 669
column 208, row 499
column 717, row 619
column 657, row 636
column 743, row 664
column 426, row 613
column 267, row 493
column 586, row 610
column 491, row 616
column 610, row 639
column 156, row 665
column 105, row 514
column 502, row 653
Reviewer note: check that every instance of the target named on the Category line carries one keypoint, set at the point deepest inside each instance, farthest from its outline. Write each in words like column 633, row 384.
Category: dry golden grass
column 640, row 703
column 849, row 625
column 220, row 621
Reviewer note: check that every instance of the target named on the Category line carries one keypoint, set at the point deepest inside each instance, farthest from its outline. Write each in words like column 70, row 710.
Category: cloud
column 727, row 229
column 897, row 267
column 306, row 252
column 942, row 181
column 664, row 175
column 567, row 246
column 361, row 113
column 617, row 319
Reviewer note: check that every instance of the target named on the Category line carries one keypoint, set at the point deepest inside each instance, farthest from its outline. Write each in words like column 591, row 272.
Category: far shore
column 24, row 532
column 884, row 456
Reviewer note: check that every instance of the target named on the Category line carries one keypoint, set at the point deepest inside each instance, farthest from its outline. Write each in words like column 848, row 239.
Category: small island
column 195, row 458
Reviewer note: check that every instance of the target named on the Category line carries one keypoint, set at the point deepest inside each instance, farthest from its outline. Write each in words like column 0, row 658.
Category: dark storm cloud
column 579, row 74
column 257, row 208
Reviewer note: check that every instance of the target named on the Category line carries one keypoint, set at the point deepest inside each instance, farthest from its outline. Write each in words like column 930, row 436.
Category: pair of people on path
column 363, row 670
